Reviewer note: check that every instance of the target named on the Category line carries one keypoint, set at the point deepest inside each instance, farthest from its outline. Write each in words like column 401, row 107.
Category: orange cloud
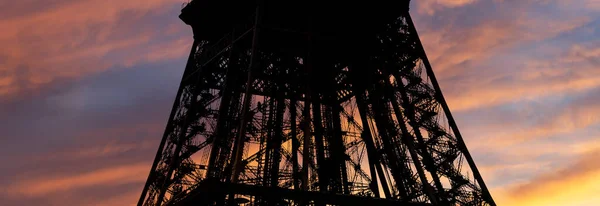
column 71, row 40
column 127, row 199
column 535, row 79
column 107, row 159
column 162, row 51
column 450, row 46
column 493, row 95
column 576, row 184
column 456, row 50
column 519, row 131
column 101, row 150
column 40, row 186
column 431, row 6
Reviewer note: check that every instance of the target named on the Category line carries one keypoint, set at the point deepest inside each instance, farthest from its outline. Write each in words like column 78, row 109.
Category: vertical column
column 269, row 142
column 340, row 151
column 239, row 142
column 224, row 119
column 409, row 142
column 412, row 121
column 336, row 162
column 306, row 158
column 383, row 123
column 306, row 143
column 318, row 133
column 295, row 143
column 278, row 140
column 372, row 152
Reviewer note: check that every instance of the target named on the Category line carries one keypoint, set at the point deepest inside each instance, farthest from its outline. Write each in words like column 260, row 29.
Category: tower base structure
column 309, row 103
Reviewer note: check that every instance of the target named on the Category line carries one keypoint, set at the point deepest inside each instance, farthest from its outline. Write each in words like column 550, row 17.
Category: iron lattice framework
column 309, row 103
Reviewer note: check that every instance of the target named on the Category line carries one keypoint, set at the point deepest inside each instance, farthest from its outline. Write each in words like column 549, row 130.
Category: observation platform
column 334, row 27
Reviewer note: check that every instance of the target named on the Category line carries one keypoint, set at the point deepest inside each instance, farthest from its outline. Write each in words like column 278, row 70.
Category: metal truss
column 259, row 122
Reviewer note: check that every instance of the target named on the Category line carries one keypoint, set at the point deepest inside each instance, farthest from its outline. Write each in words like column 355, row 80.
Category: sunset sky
column 86, row 87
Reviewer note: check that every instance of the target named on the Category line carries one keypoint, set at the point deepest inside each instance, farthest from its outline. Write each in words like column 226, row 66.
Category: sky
column 86, row 87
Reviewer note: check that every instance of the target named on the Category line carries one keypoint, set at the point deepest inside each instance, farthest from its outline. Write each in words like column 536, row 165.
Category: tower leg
column 239, row 140
column 170, row 125
column 440, row 97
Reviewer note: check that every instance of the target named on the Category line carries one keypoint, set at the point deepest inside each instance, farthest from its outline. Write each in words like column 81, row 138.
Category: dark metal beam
column 295, row 144
column 208, row 189
column 408, row 140
column 170, row 124
column 425, row 152
column 373, row 153
column 239, row 142
column 440, row 97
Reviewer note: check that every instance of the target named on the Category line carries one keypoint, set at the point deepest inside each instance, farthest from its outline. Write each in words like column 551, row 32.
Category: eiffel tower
column 309, row 103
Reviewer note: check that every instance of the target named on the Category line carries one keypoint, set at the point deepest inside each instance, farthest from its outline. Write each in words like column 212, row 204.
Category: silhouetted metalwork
column 309, row 103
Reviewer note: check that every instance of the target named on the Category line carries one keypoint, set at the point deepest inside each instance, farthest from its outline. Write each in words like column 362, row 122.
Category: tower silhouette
column 309, row 103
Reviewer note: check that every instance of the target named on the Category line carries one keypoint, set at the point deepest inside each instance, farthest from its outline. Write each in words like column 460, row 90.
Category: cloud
column 126, row 199
column 79, row 128
column 431, row 6
column 515, row 90
column 515, row 144
column 104, row 149
column 78, row 92
column 68, row 39
column 489, row 53
column 527, row 79
column 576, row 184
column 90, row 108
column 466, row 39
column 542, row 121
column 39, row 186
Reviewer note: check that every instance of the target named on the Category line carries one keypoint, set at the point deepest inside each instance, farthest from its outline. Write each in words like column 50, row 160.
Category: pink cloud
column 575, row 184
column 127, row 199
column 40, row 186
column 71, row 40
column 532, row 80
column 452, row 45
column 431, row 6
